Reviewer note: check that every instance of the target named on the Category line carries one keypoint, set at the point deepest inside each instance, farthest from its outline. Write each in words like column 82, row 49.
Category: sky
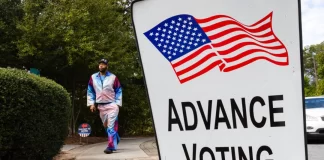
column 312, row 21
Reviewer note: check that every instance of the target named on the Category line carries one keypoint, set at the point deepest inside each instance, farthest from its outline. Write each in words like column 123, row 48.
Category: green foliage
column 64, row 39
column 10, row 14
column 314, row 69
column 310, row 89
column 34, row 113
column 320, row 88
column 319, row 51
column 65, row 33
column 135, row 117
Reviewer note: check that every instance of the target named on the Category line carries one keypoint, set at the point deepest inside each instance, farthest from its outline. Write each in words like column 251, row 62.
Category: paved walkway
column 129, row 149
column 150, row 148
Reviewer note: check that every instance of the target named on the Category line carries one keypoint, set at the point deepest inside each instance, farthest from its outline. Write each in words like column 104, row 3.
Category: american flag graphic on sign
column 195, row 46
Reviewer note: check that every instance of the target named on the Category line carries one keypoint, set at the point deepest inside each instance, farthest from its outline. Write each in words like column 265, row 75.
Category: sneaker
column 108, row 151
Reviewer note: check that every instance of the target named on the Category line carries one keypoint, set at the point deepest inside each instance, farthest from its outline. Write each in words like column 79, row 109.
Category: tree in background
column 10, row 14
column 314, row 69
column 64, row 39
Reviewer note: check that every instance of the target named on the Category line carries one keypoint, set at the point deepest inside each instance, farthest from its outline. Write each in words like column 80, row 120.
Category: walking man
column 105, row 94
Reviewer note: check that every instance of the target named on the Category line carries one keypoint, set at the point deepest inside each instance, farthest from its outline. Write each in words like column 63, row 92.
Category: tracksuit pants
column 109, row 117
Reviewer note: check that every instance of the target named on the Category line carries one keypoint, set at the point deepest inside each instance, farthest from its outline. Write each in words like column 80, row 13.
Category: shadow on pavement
column 316, row 141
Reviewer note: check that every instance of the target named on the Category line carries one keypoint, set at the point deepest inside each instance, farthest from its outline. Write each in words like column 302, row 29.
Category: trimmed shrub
column 34, row 113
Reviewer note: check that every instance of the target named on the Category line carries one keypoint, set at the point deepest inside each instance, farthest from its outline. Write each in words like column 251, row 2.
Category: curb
column 150, row 148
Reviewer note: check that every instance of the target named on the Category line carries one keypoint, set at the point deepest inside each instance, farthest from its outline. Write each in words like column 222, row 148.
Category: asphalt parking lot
column 316, row 150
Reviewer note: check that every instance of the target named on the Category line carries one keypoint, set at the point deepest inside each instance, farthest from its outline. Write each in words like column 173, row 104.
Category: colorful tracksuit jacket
column 104, row 89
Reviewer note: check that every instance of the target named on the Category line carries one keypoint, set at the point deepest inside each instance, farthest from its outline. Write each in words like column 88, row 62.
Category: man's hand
column 92, row 108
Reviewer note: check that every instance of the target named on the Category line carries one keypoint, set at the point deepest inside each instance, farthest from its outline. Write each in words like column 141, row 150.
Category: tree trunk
column 73, row 102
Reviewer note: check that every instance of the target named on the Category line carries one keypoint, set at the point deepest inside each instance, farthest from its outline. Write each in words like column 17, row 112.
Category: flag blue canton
column 177, row 36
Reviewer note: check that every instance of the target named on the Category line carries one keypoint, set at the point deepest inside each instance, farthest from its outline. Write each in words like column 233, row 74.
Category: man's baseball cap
column 103, row 61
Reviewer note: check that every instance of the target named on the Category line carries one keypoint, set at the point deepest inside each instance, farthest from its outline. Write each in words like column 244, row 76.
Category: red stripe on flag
column 227, row 22
column 231, row 30
column 240, row 65
column 239, row 40
column 206, row 20
column 239, row 37
column 193, row 55
column 206, row 69
column 243, row 44
column 249, row 52
column 193, row 66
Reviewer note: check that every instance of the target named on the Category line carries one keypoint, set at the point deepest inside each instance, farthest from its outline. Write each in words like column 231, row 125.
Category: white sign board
column 224, row 78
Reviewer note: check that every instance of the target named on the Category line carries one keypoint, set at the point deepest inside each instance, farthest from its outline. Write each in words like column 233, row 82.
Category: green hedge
column 33, row 116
